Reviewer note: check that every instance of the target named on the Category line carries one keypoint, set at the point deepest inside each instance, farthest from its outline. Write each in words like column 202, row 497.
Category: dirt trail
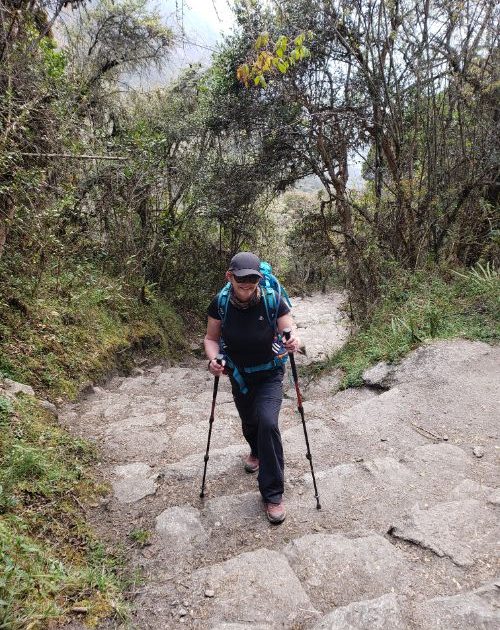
column 406, row 475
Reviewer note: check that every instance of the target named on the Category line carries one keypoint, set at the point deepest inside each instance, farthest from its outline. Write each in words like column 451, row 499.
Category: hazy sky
column 200, row 24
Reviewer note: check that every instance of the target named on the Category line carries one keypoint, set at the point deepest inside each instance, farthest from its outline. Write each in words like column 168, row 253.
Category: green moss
column 77, row 329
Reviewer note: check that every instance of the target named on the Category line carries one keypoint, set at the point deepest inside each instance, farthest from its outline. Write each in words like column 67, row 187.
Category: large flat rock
column 336, row 570
column 478, row 609
column 446, row 389
column 294, row 444
column 228, row 508
column 118, row 427
column 136, row 383
column 386, row 417
column 136, row 442
column 191, row 438
column 257, row 587
column 324, row 387
column 241, row 626
column 374, row 614
column 375, row 490
column 145, row 405
column 459, row 530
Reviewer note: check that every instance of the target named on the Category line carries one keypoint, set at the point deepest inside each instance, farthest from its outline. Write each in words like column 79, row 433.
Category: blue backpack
column 272, row 291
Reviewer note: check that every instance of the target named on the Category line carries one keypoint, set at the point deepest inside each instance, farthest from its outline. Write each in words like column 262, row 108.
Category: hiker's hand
column 292, row 344
column 217, row 369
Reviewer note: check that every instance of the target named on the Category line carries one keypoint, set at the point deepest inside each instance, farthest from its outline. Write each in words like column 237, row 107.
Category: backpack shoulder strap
column 286, row 297
column 222, row 302
column 271, row 303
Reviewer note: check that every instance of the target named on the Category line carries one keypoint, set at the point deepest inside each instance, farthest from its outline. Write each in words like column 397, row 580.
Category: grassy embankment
column 420, row 307
column 57, row 339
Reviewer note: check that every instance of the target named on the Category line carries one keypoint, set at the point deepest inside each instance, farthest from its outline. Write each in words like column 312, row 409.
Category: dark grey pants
column 259, row 411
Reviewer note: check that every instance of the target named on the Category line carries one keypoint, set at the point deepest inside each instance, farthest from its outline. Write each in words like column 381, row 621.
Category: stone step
column 380, row 489
column 257, row 587
column 465, row 531
column 475, row 609
column 222, row 461
column 336, row 570
column 133, row 482
column 379, row 613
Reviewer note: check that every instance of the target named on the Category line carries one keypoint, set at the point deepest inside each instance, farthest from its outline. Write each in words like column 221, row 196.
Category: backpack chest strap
column 237, row 371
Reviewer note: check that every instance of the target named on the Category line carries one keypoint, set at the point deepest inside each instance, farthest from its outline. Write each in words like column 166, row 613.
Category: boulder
column 12, row 388
column 379, row 375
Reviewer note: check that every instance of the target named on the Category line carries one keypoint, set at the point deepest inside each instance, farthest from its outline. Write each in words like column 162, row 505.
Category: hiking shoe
column 275, row 512
column 251, row 463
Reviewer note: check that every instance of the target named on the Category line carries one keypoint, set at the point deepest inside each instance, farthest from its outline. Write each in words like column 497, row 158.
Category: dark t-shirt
column 247, row 334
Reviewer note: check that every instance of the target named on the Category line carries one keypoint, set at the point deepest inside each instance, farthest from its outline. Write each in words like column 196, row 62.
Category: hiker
column 244, row 331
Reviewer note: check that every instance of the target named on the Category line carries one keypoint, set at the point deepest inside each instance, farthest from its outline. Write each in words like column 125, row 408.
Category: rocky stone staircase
column 407, row 531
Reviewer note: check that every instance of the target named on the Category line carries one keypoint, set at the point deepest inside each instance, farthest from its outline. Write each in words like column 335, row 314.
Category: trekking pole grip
column 287, row 333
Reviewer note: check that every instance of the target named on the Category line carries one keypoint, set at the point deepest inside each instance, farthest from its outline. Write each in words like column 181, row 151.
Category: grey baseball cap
column 245, row 264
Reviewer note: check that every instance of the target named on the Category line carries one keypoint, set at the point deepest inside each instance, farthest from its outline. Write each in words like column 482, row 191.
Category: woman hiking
column 244, row 333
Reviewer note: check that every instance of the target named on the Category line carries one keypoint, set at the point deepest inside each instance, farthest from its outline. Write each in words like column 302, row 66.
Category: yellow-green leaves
column 262, row 41
column 271, row 58
column 281, row 65
column 299, row 40
column 243, row 74
column 281, row 45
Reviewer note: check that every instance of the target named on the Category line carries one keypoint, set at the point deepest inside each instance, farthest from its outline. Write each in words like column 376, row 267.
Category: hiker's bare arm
column 211, row 343
column 286, row 321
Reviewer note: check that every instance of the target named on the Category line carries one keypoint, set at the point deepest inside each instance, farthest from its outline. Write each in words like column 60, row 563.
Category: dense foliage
column 412, row 87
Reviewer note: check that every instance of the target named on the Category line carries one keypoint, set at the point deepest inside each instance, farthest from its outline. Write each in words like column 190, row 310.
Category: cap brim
column 246, row 272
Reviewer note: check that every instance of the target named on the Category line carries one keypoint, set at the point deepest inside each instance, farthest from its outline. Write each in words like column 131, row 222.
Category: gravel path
column 406, row 475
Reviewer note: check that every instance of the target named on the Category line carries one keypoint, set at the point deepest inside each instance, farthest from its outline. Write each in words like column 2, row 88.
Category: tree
column 412, row 84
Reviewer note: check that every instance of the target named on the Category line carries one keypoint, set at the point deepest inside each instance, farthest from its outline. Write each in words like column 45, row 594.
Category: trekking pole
column 218, row 358
column 287, row 332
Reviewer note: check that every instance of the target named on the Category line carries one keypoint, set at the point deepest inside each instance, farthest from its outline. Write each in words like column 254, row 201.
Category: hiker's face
column 243, row 290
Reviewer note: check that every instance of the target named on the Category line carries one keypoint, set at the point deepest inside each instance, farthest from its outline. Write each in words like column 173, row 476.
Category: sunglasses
column 246, row 279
